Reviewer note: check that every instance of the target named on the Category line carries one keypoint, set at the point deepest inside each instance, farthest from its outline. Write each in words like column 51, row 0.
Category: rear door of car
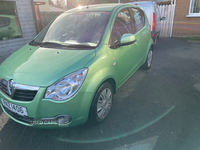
column 141, row 31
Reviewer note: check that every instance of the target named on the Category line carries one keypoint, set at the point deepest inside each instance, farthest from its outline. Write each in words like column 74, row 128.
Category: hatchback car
column 9, row 27
column 70, row 71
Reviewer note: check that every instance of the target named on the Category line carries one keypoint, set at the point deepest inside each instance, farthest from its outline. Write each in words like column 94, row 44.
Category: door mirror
column 127, row 39
column 163, row 18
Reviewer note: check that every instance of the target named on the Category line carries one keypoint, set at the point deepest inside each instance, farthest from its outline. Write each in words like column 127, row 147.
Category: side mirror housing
column 127, row 39
column 163, row 18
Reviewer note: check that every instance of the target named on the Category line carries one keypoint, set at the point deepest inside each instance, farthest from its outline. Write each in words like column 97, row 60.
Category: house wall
column 44, row 7
column 28, row 29
column 183, row 25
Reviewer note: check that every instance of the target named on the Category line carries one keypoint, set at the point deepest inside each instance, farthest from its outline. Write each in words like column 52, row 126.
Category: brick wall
column 185, row 26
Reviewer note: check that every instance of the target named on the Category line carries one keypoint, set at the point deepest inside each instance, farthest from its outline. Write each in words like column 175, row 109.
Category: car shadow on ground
column 132, row 111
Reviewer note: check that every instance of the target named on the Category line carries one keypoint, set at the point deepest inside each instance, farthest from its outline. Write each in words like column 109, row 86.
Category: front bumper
column 77, row 107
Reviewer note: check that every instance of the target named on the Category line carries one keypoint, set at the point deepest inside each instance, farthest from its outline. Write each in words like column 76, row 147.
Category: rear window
column 7, row 20
column 4, row 21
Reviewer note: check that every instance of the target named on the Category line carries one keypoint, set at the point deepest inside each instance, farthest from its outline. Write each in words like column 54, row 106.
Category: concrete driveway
column 157, row 109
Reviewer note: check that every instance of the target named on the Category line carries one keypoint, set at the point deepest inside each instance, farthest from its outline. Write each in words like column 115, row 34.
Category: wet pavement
column 157, row 109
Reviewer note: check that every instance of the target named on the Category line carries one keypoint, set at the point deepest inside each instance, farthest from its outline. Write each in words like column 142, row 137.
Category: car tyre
column 149, row 59
column 101, row 104
column 155, row 40
column 158, row 36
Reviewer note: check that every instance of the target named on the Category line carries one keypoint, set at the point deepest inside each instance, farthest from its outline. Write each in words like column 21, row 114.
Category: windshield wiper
column 47, row 44
column 81, row 46
column 52, row 44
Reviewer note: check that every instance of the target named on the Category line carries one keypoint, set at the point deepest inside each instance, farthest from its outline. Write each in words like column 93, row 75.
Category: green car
column 70, row 71
column 9, row 27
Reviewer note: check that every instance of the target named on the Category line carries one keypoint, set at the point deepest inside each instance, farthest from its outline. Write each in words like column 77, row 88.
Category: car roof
column 141, row 2
column 99, row 7
column 9, row 16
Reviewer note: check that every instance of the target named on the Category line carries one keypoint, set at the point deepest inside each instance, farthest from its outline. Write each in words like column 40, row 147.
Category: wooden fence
column 166, row 25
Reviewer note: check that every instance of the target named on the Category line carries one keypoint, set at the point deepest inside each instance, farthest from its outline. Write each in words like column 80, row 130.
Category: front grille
column 24, row 119
column 22, row 94
column 3, row 86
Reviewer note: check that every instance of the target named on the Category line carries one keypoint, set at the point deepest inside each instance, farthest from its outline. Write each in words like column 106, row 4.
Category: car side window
column 122, row 25
column 138, row 19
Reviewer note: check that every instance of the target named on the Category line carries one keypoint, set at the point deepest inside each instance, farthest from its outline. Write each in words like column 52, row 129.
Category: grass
column 194, row 38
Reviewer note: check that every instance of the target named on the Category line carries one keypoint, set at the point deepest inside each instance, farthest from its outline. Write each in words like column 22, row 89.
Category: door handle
column 136, row 43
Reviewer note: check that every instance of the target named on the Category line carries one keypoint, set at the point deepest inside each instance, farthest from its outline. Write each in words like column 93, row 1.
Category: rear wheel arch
column 149, row 47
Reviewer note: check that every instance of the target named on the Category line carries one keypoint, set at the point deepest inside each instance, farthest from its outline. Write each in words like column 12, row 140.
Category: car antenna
column 89, row 3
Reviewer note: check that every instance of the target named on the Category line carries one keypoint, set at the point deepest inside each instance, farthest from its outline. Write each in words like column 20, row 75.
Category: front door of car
column 127, row 56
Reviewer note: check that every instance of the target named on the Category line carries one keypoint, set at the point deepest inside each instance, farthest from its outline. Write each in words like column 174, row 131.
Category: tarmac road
column 157, row 109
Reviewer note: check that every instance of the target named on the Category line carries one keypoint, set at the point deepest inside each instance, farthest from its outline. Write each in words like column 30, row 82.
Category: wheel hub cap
column 150, row 58
column 104, row 103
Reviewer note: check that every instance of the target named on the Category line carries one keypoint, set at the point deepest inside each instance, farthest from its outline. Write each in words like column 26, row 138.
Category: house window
column 9, row 22
column 194, row 10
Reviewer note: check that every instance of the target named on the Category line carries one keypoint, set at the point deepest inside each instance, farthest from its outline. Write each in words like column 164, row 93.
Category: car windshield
column 78, row 30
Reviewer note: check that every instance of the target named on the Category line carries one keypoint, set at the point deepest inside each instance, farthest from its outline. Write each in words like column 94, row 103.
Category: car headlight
column 67, row 86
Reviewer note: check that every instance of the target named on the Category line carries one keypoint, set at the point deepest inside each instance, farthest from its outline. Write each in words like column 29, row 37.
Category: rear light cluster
column 154, row 22
column 17, row 22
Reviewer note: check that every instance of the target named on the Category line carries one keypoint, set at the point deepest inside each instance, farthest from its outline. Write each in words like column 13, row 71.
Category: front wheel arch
column 93, row 117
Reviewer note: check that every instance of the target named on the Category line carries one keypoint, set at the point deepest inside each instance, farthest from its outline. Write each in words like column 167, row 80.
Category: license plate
column 14, row 108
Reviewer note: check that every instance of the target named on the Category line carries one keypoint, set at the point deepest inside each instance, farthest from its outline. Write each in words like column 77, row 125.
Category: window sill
column 193, row 15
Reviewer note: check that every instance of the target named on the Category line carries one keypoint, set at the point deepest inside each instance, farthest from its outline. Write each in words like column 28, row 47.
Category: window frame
column 144, row 23
column 130, row 21
column 112, row 26
column 192, row 14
